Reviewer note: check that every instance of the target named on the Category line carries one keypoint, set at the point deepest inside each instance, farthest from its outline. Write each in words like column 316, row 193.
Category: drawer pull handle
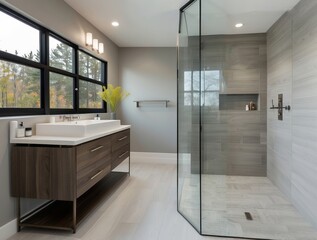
column 95, row 149
column 120, row 139
column 123, row 154
column 94, row 176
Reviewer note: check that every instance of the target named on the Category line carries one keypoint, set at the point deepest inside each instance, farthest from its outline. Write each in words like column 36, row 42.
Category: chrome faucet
column 70, row 118
column 74, row 117
column 67, row 118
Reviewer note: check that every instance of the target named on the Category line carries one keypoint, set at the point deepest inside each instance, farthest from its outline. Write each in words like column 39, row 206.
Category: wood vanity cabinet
column 65, row 173
column 120, row 148
column 43, row 172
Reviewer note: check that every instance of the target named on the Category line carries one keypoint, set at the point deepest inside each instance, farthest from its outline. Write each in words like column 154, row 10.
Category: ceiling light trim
column 115, row 24
column 239, row 25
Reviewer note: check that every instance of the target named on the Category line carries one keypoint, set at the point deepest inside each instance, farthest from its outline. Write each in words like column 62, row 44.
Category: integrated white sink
column 80, row 128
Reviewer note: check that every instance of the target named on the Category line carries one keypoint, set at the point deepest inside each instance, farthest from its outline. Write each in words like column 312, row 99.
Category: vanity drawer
column 93, row 163
column 120, row 155
column 90, row 153
column 120, row 139
column 88, row 178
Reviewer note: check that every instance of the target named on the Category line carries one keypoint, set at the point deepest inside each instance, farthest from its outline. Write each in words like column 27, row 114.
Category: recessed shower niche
column 239, row 102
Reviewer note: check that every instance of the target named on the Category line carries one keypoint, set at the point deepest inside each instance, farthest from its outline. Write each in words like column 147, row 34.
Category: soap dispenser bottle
column 97, row 117
column 20, row 131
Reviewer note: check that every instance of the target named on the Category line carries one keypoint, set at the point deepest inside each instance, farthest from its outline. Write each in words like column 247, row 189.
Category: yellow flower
column 113, row 96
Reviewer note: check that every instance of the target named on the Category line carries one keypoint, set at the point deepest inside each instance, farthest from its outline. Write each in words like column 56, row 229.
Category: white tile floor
column 144, row 208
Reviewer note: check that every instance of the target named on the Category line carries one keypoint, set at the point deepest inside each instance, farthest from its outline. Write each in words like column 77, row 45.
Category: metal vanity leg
column 19, row 213
column 74, row 215
column 129, row 165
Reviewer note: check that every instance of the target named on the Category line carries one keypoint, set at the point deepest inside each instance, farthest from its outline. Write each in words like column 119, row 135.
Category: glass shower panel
column 233, row 154
column 214, row 167
column 189, row 115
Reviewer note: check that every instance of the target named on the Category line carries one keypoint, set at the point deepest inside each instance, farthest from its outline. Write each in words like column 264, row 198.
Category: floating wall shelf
column 151, row 101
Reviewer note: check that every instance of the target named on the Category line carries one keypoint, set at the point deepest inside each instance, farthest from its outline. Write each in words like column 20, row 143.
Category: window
column 191, row 88
column 61, row 55
column 43, row 73
column 61, row 84
column 209, row 88
column 88, row 95
column 20, row 86
column 91, row 71
column 10, row 38
column 89, row 66
column 61, row 91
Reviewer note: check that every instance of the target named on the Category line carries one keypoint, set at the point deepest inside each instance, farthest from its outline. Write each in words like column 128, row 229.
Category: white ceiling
column 154, row 23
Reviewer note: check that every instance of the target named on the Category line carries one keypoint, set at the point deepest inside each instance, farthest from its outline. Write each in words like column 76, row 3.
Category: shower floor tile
column 225, row 199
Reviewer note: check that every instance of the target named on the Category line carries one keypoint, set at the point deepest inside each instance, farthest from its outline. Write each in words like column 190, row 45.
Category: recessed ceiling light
column 115, row 24
column 239, row 25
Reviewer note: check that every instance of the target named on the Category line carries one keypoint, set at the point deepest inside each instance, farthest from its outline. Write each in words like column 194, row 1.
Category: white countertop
column 66, row 141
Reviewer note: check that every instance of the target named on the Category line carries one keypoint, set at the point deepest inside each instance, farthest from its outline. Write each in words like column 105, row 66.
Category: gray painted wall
column 292, row 144
column 149, row 74
column 59, row 17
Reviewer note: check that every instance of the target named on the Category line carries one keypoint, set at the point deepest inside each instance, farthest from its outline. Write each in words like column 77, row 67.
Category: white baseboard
column 8, row 229
column 150, row 157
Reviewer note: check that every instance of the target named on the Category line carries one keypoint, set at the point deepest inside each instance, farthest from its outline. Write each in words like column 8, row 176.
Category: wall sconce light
column 88, row 39
column 94, row 43
column 100, row 48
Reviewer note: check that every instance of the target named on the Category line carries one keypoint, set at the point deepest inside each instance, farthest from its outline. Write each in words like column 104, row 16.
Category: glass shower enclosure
column 189, row 111
column 221, row 126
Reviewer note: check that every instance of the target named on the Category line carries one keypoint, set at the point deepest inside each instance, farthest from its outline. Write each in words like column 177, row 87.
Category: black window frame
column 45, row 69
column 104, row 74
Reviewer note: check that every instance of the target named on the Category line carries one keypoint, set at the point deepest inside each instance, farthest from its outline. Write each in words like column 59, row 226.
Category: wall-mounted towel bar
column 151, row 101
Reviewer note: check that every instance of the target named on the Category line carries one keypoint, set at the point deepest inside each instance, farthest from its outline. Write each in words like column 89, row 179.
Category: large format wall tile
column 279, row 81
column 234, row 141
column 292, row 143
column 304, row 121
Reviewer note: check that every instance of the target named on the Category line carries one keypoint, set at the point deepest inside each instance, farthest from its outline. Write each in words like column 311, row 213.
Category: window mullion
column 45, row 73
column 76, row 79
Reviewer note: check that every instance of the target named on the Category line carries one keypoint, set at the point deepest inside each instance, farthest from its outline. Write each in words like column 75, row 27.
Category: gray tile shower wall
column 235, row 139
column 292, row 148
column 279, row 145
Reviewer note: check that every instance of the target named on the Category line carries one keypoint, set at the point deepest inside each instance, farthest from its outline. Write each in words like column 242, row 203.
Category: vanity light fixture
column 115, row 24
column 88, row 39
column 239, row 25
column 100, row 48
column 94, row 43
